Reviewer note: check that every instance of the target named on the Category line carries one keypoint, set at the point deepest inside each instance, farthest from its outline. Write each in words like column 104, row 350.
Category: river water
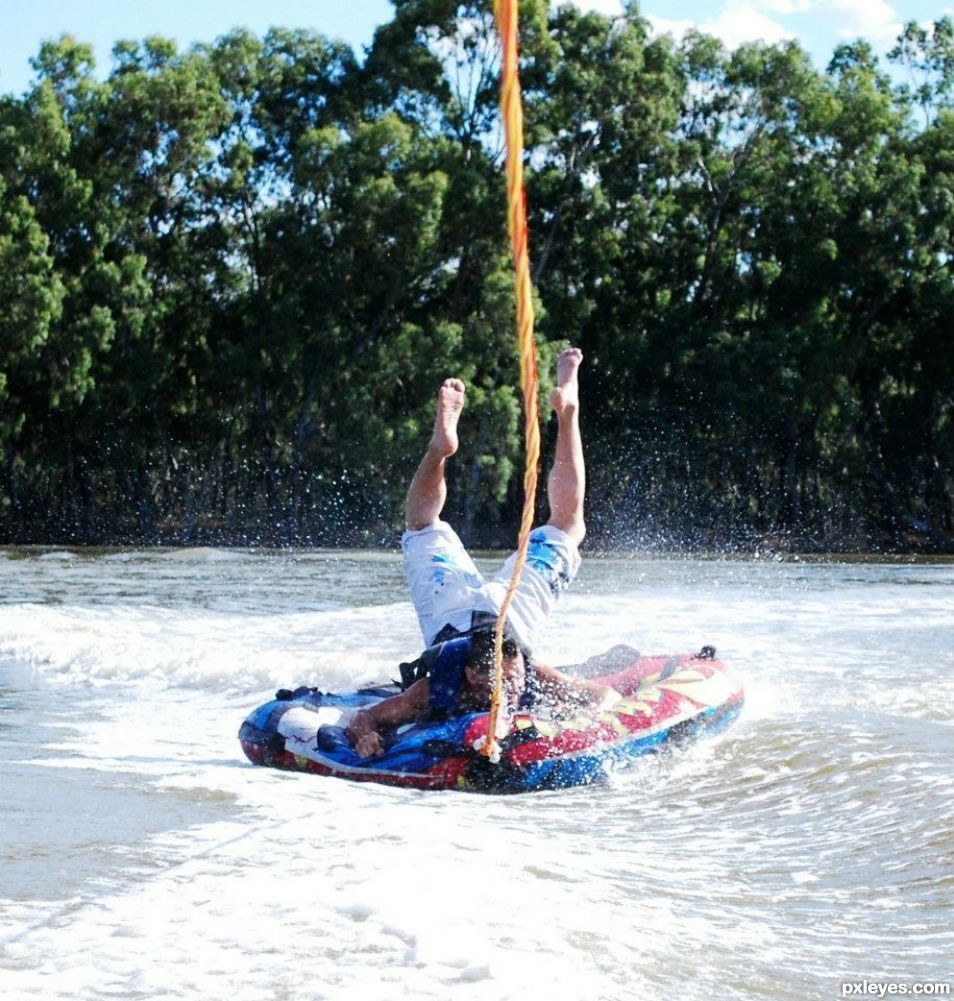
column 141, row 856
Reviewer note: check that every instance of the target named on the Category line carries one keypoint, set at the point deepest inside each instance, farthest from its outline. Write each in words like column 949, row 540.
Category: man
column 456, row 605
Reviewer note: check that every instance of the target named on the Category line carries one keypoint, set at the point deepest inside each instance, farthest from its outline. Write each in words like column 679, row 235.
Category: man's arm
column 563, row 690
column 364, row 730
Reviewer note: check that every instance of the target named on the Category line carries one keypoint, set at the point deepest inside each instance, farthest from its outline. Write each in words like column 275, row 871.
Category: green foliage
column 232, row 278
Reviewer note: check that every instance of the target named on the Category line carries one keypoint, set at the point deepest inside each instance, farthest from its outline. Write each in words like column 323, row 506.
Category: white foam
column 750, row 859
column 339, row 649
column 199, row 554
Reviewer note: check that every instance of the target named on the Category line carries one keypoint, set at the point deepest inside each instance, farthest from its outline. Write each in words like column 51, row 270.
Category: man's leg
column 428, row 490
column 552, row 556
column 446, row 585
column 566, row 484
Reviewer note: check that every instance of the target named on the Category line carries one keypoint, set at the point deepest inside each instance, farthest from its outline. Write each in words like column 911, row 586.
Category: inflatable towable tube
column 666, row 700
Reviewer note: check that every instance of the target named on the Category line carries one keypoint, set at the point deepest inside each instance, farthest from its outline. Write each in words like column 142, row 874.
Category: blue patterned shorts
column 447, row 587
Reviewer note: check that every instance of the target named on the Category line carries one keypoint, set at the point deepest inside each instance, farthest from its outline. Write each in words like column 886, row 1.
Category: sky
column 819, row 25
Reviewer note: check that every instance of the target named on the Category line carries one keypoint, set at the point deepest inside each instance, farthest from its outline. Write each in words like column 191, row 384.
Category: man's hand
column 369, row 745
column 364, row 728
column 503, row 724
column 605, row 698
column 363, row 733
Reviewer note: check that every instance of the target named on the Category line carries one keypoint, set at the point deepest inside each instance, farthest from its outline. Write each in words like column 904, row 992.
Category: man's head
column 479, row 671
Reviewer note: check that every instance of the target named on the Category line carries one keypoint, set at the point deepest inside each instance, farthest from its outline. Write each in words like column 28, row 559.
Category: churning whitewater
column 144, row 857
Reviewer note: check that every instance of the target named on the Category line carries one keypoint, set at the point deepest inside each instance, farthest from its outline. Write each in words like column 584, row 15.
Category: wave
column 200, row 554
column 337, row 649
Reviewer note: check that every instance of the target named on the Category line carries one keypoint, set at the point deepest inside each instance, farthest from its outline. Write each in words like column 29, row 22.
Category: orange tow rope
column 511, row 111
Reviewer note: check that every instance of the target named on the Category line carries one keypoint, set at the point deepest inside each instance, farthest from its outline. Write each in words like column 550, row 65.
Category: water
column 142, row 857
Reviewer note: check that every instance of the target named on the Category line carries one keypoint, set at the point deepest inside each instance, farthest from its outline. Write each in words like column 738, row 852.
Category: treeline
column 231, row 279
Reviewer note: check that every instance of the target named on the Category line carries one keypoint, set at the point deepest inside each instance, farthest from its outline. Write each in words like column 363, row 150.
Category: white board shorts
column 447, row 587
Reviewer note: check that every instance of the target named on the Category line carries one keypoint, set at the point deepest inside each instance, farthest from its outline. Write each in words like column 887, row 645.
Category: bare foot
column 566, row 396
column 450, row 402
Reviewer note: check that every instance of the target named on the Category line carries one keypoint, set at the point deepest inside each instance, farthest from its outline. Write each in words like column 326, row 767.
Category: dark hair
column 482, row 649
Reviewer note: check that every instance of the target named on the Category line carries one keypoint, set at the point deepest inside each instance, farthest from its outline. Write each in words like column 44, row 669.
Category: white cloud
column 664, row 26
column 737, row 22
column 776, row 20
column 611, row 7
column 875, row 20
column 785, row 6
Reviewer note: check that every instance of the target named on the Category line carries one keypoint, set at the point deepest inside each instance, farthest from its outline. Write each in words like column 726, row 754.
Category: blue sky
column 819, row 24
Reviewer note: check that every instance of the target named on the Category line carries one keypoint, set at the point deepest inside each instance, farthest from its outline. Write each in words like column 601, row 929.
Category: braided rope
column 511, row 111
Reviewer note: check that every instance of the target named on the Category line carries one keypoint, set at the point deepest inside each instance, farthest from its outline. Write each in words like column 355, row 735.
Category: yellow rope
column 511, row 111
